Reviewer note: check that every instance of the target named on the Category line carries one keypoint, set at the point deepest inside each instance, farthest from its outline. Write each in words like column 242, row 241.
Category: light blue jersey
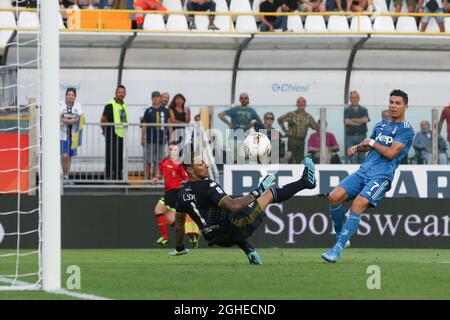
column 374, row 176
column 385, row 133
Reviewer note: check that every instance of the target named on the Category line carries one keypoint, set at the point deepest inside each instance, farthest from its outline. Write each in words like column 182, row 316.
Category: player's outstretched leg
column 307, row 181
column 252, row 255
column 359, row 205
column 336, row 201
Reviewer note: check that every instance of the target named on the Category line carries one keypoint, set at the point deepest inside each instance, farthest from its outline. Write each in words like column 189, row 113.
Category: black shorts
column 169, row 199
column 237, row 227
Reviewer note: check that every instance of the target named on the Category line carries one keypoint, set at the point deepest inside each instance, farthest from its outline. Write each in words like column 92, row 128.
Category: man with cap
column 154, row 138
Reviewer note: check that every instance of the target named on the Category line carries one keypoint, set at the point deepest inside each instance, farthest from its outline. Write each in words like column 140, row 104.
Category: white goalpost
column 46, row 228
column 51, row 198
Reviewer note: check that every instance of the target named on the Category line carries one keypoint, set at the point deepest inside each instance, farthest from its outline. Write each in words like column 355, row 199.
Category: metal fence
column 105, row 158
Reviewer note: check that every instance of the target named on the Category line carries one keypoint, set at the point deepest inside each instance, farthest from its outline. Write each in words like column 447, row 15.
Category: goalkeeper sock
column 288, row 191
column 337, row 215
column 350, row 227
column 162, row 223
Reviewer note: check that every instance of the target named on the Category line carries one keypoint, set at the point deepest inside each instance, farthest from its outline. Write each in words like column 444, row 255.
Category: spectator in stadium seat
column 179, row 113
column 425, row 7
column 298, row 123
column 154, row 138
column 201, row 5
column 314, row 145
column 349, row 5
column 71, row 113
column 411, row 5
column 270, row 23
column 423, row 142
column 268, row 129
column 356, row 118
column 310, row 6
column 165, row 96
column 116, row 111
column 146, row 5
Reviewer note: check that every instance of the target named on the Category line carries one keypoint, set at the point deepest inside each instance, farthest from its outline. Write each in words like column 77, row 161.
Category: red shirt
column 173, row 173
column 314, row 140
column 446, row 115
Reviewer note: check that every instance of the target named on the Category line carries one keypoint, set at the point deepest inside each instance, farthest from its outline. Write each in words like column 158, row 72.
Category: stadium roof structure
column 241, row 51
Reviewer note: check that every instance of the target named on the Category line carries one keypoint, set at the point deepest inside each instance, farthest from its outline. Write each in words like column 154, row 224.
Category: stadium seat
column 447, row 24
column 240, row 6
column 5, row 4
column 383, row 24
column 177, row 22
column 380, row 5
column 315, row 24
column 223, row 23
column 221, row 6
column 28, row 20
column 365, row 24
column 432, row 26
column 61, row 21
column 406, row 24
column 154, row 22
column 338, row 24
column 255, row 8
column 172, row 5
column 295, row 24
column 246, row 24
column 7, row 20
column 202, row 22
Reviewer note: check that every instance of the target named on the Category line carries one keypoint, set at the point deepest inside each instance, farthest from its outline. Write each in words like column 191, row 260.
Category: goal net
column 26, row 260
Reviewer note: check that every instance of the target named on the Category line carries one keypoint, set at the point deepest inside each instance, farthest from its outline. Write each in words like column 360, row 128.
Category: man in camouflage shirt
column 298, row 123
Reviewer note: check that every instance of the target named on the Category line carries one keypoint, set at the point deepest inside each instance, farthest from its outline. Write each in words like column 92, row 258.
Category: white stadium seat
column 364, row 24
column 172, row 5
column 7, row 20
column 406, row 24
column 177, row 22
column 223, row 23
column 447, row 24
column 5, row 4
column 383, row 24
column 315, row 24
column 61, row 21
column 246, row 24
column 221, row 6
column 295, row 24
column 28, row 20
column 240, row 6
column 154, row 22
column 380, row 5
column 338, row 24
column 202, row 22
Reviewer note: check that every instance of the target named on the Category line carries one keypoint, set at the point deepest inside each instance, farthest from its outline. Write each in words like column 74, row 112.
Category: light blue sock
column 350, row 227
column 337, row 215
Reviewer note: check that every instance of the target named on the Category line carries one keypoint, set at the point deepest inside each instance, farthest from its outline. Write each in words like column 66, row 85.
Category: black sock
column 288, row 191
column 246, row 247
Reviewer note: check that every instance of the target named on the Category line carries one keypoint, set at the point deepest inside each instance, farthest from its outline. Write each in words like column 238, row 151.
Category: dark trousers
column 278, row 23
column 113, row 156
column 296, row 146
column 192, row 6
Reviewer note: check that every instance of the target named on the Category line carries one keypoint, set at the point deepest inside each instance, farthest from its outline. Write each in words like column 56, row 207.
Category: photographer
column 270, row 23
column 70, row 115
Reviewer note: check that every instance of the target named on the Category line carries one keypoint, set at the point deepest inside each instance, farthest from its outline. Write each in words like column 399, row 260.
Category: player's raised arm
column 389, row 152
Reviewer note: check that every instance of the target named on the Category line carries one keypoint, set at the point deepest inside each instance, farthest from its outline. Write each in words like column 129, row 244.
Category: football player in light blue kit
column 389, row 142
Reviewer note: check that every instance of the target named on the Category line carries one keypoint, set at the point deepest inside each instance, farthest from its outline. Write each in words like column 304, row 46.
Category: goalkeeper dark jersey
column 200, row 199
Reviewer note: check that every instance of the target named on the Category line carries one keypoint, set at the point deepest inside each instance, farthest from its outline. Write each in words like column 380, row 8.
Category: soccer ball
column 257, row 144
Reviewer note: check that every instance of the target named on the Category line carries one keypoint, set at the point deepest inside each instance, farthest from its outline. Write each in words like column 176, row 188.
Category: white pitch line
column 65, row 292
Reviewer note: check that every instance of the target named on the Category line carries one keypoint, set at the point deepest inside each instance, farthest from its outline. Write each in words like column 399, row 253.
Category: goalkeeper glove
column 178, row 252
column 267, row 183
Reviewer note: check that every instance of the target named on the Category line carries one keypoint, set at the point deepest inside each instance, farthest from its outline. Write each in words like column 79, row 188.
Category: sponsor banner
column 127, row 221
column 410, row 181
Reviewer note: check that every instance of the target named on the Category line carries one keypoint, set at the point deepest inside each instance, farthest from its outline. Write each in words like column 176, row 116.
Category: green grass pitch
column 286, row 274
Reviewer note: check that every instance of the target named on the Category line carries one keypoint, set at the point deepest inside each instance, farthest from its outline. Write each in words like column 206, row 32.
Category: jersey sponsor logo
column 383, row 138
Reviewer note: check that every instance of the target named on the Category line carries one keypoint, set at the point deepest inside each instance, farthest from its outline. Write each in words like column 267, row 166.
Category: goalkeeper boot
column 254, row 258
column 194, row 241
column 162, row 242
column 309, row 173
column 333, row 254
